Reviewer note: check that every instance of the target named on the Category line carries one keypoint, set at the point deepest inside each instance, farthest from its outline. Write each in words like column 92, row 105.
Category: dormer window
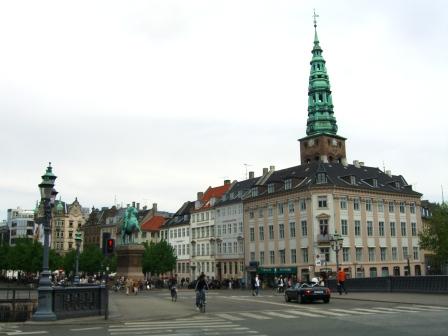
column 254, row 191
column 288, row 184
column 397, row 185
column 375, row 182
column 240, row 193
column 352, row 180
column 232, row 195
column 321, row 178
column 271, row 188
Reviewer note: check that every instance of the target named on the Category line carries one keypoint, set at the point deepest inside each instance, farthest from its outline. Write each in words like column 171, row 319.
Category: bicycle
column 201, row 301
column 278, row 290
column 173, row 294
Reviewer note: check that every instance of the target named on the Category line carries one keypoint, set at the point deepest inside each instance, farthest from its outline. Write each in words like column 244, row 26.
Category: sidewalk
column 407, row 298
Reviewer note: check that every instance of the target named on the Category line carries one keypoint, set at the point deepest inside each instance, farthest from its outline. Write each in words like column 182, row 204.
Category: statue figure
column 130, row 226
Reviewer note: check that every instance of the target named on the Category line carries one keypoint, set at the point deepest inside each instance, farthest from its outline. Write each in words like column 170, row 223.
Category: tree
column 69, row 262
column 91, row 259
column 434, row 237
column 4, row 257
column 158, row 258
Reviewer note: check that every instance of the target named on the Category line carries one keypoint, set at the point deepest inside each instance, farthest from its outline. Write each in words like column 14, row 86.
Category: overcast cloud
column 152, row 101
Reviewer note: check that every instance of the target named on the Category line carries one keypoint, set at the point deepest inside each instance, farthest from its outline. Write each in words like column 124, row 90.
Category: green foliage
column 91, row 259
column 158, row 258
column 69, row 262
column 4, row 256
column 26, row 255
column 111, row 262
column 56, row 262
column 434, row 237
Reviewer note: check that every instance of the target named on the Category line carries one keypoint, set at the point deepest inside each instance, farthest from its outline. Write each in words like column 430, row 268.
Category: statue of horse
column 129, row 226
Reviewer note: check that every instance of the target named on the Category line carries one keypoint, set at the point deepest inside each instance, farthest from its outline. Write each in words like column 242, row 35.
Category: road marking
column 82, row 329
column 282, row 315
column 418, row 308
column 351, row 311
column 18, row 332
column 397, row 310
column 435, row 307
column 372, row 310
column 302, row 313
column 171, row 322
column 228, row 317
column 254, row 316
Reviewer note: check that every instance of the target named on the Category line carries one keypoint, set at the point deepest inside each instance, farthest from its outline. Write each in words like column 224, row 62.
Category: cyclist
column 201, row 286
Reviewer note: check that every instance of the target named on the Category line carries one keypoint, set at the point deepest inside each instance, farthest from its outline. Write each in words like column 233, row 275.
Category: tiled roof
column 153, row 224
column 182, row 216
column 237, row 191
column 210, row 193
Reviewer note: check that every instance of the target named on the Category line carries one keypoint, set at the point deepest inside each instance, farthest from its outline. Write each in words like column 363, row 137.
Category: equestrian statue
column 129, row 226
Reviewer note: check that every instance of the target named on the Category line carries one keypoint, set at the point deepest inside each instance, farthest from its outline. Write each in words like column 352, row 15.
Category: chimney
column 251, row 174
column 200, row 195
column 344, row 162
column 127, row 205
column 271, row 168
column 226, row 182
column 324, row 158
column 133, row 204
column 361, row 163
column 138, row 206
column 265, row 171
column 388, row 172
column 356, row 163
column 154, row 208
column 145, row 207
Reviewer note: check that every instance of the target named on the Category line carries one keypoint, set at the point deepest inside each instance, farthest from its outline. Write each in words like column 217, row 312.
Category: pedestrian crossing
column 185, row 327
column 324, row 312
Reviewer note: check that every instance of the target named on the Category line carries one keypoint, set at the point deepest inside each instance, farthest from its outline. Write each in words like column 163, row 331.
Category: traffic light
column 110, row 245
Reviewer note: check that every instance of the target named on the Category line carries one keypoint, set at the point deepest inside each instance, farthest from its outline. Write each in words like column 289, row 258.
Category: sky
column 154, row 101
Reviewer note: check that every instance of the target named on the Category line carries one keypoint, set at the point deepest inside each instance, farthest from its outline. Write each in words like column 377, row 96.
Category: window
column 371, row 254
column 304, row 228
column 280, row 209
column 240, row 227
column 356, row 204
column 252, row 256
column 391, row 207
column 270, row 211
column 302, row 205
column 373, row 272
column 272, row 257
column 415, row 252
column 261, row 257
column 403, row 228
column 292, row 229
column 375, row 183
column 322, row 201
column 383, row 253
column 235, row 247
column 251, row 215
column 368, row 205
column 321, row 178
column 281, row 231
column 402, row 207
column 412, row 208
column 369, row 228
column 293, row 256
column 219, row 248
column 271, row 188
column 271, row 232
column 325, row 252
column 343, row 203
column 385, row 271
column 291, row 207
column 288, row 184
column 323, row 226
column 414, row 229
column 358, row 254
column 282, row 257
column 261, row 232
column 394, row 253
column 304, row 255
column 380, row 206
column 405, row 252
column 381, row 229
column 392, row 229
column 252, row 234
column 345, row 254
column 254, row 191
column 352, row 180
column 357, row 228
column 260, row 213
column 344, row 227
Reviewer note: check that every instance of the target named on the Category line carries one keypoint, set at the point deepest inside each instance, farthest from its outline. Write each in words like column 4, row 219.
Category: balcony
column 323, row 238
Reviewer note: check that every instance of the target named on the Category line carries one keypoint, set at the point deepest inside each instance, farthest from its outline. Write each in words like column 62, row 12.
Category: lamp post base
column 44, row 310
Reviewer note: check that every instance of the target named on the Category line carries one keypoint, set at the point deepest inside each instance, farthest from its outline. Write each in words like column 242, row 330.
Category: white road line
column 18, row 332
column 181, row 322
column 351, row 311
column 82, row 329
column 418, row 308
column 228, row 317
column 282, row 315
column 302, row 313
column 254, row 316
column 160, row 327
column 372, row 310
column 435, row 307
column 397, row 310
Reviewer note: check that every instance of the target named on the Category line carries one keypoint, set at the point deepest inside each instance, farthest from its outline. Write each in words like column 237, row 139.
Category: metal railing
column 17, row 304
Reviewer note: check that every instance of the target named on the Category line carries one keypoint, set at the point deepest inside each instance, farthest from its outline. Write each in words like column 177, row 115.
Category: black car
column 307, row 292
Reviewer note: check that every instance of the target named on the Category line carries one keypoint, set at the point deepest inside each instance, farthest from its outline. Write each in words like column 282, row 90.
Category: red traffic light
column 110, row 245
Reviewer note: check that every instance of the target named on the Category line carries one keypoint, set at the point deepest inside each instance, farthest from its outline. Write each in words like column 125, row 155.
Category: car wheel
column 287, row 299
column 327, row 300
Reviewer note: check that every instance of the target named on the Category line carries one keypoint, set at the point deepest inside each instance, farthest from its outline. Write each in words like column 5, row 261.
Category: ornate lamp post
column 78, row 241
column 336, row 242
column 48, row 194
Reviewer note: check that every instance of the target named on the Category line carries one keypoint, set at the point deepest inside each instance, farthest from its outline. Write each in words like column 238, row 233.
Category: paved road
column 239, row 313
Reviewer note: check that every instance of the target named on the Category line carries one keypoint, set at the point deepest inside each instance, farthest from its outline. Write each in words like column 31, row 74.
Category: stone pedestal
column 129, row 261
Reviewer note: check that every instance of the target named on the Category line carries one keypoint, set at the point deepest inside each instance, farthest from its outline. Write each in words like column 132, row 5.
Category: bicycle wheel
column 202, row 307
column 175, row 297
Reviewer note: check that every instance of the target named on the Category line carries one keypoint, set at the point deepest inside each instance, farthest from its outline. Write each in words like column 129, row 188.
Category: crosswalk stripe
column 351, row 311
column 418, row 308
column 138, row 330
column 228, row 317
column 173, row 322
column 302, row 313
column 18, row 332
column 324, row 312
column 397, row 310
column 371, row 310
column 282, row 315
column 254, row 316
column 436, row 307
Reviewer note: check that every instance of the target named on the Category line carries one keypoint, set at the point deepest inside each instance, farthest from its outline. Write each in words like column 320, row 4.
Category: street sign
column 318, row 262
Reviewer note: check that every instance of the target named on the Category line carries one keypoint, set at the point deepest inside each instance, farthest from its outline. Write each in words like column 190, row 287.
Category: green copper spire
column 320, row 105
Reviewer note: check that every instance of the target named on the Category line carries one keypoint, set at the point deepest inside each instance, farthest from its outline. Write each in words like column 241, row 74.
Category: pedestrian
column 257, row 285
column 341, row 281
column 135, row 284
column 128, row 286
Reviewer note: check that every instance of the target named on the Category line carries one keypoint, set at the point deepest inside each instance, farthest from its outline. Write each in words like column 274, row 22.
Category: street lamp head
column 47, row 185
column 78, row 238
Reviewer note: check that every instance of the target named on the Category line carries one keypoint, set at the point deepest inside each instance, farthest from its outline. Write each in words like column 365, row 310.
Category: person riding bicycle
column 201, row 286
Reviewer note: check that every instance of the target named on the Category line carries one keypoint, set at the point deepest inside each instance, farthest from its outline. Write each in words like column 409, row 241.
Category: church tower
column 322, row 142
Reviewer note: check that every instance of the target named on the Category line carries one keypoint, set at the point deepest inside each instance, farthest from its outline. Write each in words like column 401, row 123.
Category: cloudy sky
column 153, row 101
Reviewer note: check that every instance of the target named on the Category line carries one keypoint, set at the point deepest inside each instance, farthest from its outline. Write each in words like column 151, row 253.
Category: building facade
column 20, row 223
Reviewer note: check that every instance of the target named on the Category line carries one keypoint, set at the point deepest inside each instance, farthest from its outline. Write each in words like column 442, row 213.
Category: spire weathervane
column 315, row 16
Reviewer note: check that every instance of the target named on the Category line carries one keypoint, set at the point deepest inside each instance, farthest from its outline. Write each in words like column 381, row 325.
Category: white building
column 20, row 223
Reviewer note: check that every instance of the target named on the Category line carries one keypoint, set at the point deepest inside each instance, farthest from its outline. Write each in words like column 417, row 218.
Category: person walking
column 257, row 285
column 341, row 281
